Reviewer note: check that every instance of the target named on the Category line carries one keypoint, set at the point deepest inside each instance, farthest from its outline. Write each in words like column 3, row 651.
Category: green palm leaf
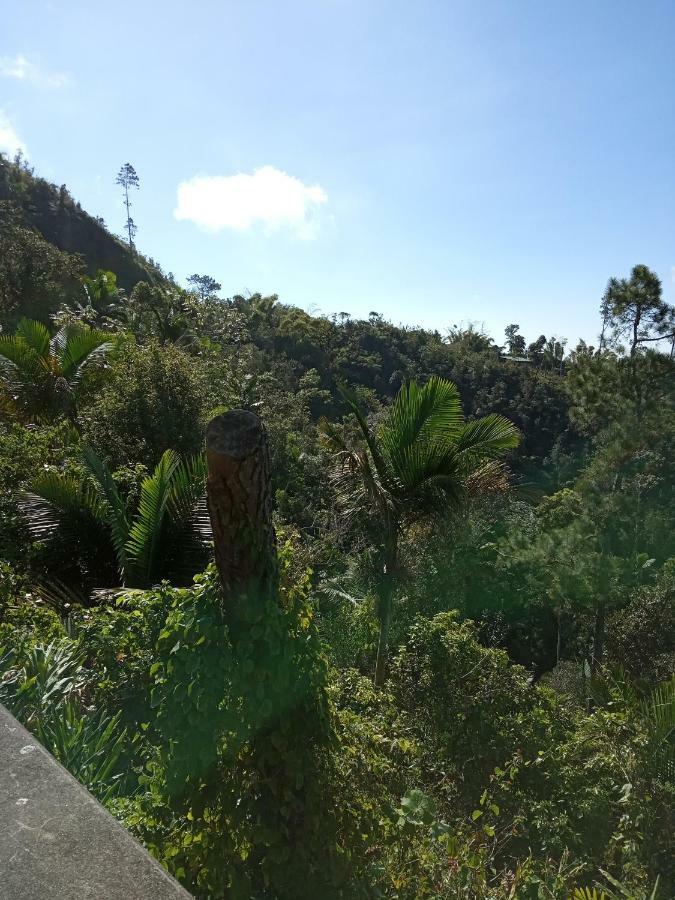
column 423, row 414
column 189, row 534
column 115, row 507
column 59, row 341
column 487, row 438
column 82, row 347
column 354, row 476
column 146, row 532
column 35, row 334
column 40, row 373
column 57, row 502
column 187, row 488
column 423, row 459
column 658, row 711
column 18, row 360
column 377, row 459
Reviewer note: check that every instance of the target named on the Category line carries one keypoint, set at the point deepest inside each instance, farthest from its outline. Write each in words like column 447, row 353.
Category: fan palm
column 422, row 459
column 39, row 374
column 169, row 529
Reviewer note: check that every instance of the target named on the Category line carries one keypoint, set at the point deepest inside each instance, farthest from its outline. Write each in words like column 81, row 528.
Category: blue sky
column 438, row 162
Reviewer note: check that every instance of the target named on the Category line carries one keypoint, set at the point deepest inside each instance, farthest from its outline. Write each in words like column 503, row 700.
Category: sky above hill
column 439, row 162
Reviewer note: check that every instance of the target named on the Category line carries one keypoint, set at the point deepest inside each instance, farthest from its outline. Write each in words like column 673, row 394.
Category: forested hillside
column 458, row 680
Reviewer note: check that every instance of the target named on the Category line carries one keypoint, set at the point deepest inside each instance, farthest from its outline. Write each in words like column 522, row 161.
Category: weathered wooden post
column 240, row 507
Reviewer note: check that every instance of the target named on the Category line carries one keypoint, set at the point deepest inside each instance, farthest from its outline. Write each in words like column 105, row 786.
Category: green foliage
column 151, row 402
column 35, row 277
column 422, row 459
column 495, row 709
column 23, row 453
column 658, row 711
column 45, row 677
column 244, row 733
column 423, row 454
column 641, row 637
column 42, row 685
column 39, row 374
column 245, row 760
column 168, row 522
column 119, row 643
column 90, row 746
column 633, row 309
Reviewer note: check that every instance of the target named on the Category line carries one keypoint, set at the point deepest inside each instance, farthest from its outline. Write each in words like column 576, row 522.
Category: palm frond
column 82, row 348
column 438, row 493
column 59, row 341
column 379, row 462
column 202, row 520
column 429, row 413
column 18, row 361
column 354, row 476
column 187, row 488
column 487, row 438
column 413, row 465
column 489, row 477
column 115, row 507
column 145, row 533
column 188, row 532
column 57, row 502
column 58, row 596
column 35, row 334
column 658, row 711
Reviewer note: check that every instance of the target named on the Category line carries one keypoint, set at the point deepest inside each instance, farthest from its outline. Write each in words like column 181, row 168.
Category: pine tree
column 126, row 178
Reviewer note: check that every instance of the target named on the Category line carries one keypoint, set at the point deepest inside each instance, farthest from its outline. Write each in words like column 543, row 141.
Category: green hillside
column 48, row 229
column 412, row 638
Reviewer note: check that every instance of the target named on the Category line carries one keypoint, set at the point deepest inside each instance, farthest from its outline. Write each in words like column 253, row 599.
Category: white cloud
column 22, row 69
column 10, row 142
column 268, row 196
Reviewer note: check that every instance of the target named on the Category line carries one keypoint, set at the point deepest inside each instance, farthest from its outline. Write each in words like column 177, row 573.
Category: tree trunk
column 386, row 606
column 558, row 642
column 598, row 638
column 240, row 508
column 636, row 330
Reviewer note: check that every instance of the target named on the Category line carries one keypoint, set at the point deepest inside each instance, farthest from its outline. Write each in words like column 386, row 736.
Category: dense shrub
column 151, row 401
column 641, row 638
column 465, row 696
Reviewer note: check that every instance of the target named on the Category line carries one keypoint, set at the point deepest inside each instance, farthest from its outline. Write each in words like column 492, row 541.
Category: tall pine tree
column 127, row 178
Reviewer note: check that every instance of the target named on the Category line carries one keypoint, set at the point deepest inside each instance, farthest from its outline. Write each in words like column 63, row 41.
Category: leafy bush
column 641, row 638
column 151, row 402
column 465, row 696
column 44, row 688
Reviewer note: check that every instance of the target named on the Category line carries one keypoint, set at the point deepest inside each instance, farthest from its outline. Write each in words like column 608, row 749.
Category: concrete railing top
column 57, row 842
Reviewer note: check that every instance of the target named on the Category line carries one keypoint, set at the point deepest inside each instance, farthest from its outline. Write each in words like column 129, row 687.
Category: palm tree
column 39, row 374
column 168, row 532
column 422, row 459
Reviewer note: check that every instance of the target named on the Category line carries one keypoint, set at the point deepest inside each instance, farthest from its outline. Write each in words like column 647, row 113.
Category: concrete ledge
column 57, row 842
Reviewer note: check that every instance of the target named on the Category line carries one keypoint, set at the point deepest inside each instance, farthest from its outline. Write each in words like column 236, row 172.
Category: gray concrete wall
column 57, row 842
